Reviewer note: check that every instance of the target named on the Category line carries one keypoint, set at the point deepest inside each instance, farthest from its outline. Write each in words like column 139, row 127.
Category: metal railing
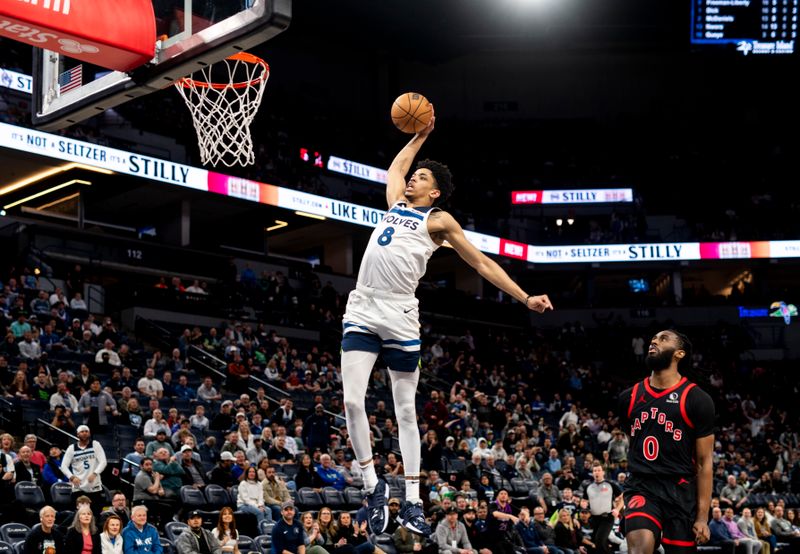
column 54, row 428
column 221, row 363
column 6, row 406
column 154, row 332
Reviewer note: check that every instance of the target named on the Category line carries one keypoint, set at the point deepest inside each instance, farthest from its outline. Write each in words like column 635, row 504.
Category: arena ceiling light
column 312, row 216
column 36, row 177
column 278, row 225
column 46, row 191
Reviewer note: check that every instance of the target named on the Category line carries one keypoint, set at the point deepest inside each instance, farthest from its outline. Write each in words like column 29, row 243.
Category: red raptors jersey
column 663, row 426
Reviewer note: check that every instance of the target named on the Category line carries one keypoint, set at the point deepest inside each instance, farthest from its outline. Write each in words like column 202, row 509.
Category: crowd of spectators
column 513, row 427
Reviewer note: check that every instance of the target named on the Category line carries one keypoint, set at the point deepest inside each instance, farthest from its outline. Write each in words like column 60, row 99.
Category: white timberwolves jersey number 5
column 398, row 250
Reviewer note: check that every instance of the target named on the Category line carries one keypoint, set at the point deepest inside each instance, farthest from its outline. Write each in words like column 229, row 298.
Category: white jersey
column 81, row 462
column 398, row 251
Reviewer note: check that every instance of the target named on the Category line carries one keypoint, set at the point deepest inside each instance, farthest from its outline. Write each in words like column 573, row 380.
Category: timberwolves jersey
column 663, row 426
column 398, row 250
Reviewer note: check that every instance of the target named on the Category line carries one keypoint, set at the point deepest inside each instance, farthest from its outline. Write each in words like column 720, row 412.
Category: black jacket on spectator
column 221, row 422
column 473, row 474
column 545, row 532
column 432, row 457
column 306, row 478
column 349, row 535
column 478, row 537
column 222, row 477
column 566, row 538
column 74, row 542
column 24, row 475
column 187, row 476
column 317, row 432
column 34, row 542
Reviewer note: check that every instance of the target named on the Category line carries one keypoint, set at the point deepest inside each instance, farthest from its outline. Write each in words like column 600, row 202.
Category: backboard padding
column 184, row 50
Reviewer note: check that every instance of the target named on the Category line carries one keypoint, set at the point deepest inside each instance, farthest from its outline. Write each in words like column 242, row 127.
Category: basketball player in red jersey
column 670, row 422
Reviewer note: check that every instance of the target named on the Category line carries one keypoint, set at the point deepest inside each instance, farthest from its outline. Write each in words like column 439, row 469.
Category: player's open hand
column 429, row 127
column 701, row 532
column 539, row 303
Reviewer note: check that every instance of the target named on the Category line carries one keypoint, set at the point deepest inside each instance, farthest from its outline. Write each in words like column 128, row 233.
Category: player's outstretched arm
column 443, row 225
column 396, row 176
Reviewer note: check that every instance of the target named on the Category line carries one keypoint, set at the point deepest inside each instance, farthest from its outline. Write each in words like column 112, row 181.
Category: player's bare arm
column 443, row 227
column 396, row 176
column 705, row 461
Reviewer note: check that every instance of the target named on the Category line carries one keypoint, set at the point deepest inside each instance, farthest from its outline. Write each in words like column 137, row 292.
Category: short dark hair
column 442, row 176
column 686, row 346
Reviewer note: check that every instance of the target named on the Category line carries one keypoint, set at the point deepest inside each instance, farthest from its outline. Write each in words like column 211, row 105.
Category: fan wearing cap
column 449, row 450
column 451, row 535
column 288, row 534
column 195, row 473
column 197, row 540
column 83, row 463
column 394, row 511
column 476, row 530
column 222, row 474
column 501, row 521
column 224, row 420
column 161, row 441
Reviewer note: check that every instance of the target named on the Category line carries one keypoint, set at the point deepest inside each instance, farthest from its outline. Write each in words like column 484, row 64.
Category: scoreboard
column 750, row 27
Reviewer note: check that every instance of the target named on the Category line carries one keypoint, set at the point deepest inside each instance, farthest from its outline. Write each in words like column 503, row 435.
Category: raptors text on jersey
column 663, row 426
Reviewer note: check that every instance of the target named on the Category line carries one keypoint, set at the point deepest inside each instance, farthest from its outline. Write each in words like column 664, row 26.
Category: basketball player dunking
column 382, row 317
column 670, row 421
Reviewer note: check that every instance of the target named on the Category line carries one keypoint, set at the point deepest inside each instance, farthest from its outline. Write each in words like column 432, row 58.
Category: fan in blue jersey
column 670, row 422
column 382, row 316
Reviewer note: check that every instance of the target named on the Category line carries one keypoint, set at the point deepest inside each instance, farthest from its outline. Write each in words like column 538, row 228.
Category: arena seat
column 263, row 544
column 246, row 544
column 173, row 529
column 308, row 499
column 12, row 533
column 29, row 495
column 520, row 486
column 354, row 497
column 333, row 498
column 265, row 528
column 167, row 546
column 192, row 498
column 61, row 494
column 217, row 497
column 457, row 466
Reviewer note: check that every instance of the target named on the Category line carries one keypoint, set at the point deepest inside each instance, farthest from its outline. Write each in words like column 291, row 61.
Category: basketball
column 411, row 112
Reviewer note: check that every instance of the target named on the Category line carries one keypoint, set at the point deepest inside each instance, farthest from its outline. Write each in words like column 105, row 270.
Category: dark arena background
column 635, row 161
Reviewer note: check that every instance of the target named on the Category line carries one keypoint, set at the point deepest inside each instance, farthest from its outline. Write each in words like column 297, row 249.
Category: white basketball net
column 222, row 112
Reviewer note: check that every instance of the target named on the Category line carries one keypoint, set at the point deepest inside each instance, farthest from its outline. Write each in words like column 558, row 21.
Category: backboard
column 190, row 34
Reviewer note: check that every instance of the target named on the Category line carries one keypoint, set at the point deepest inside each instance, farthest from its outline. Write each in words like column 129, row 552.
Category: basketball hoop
column 223, row 111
